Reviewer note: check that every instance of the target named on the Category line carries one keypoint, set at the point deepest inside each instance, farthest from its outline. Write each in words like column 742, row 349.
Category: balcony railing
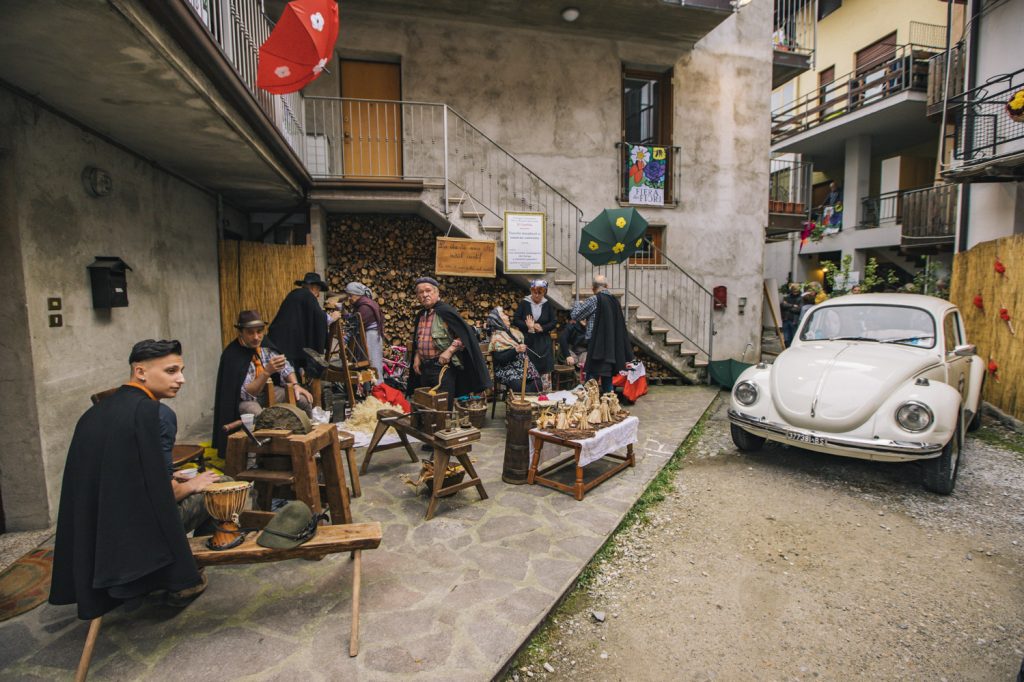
column 795, row 26
column 789, row 187
column 881, row 210
column 671, row 178
column 239, row 27
column 985, row 131
column 937, row 77
column 906, row 69
column 928, row 35
column 929, row 216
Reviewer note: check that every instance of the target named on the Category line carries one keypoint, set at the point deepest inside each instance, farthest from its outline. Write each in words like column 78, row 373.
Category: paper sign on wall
column 524, row 243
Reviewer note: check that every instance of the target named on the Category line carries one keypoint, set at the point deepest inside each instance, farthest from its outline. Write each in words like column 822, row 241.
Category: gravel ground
column 790, row 565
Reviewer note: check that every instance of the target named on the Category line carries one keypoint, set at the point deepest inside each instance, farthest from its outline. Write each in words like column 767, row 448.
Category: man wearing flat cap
column 247, row 364
column 301, row 322
column 442, row 338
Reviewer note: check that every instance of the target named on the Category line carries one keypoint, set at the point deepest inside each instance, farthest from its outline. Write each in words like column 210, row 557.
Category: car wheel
column 746, row 442
column 940, row 473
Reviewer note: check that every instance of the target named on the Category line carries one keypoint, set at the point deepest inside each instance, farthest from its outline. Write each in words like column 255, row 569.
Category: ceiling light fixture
column 570, row 14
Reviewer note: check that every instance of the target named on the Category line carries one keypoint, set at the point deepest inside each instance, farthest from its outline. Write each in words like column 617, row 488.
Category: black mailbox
column 109, row 282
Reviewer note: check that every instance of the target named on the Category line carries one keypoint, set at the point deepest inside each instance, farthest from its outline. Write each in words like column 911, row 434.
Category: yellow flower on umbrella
column 593, row 246
column 620, row 222
column 612, row 262
column 639, row 242
column 619, row 247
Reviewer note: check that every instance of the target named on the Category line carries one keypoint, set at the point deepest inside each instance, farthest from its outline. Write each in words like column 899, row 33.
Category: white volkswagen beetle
column 887, row 377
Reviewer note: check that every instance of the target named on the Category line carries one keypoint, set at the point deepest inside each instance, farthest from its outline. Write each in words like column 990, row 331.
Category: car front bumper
column 862, row 448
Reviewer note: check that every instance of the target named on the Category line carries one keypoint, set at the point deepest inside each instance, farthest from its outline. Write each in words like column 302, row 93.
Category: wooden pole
column 353, row 645
column 526, row 369
column 90, row 642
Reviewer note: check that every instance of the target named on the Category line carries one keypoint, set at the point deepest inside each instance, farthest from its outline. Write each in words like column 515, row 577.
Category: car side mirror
column 965, row 351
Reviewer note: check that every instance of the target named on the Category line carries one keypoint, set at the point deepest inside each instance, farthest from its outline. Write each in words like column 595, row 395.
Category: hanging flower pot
column 1015, row 106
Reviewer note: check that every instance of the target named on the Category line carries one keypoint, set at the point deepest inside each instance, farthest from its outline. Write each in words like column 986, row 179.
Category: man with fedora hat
column 246, row 365
column 301, row 322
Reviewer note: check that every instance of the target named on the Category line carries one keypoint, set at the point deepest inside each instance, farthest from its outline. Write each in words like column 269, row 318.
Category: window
column 647, row 121
column 825, row 79
column 653, row 247
column 951, row 328
column 827, row 7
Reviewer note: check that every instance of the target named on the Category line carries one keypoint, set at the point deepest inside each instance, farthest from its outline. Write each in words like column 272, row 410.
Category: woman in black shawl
column 535, row 317
column 509, row 352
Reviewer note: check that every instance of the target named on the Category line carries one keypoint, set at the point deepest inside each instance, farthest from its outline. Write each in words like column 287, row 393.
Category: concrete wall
column 554, row 100
column 164, row 228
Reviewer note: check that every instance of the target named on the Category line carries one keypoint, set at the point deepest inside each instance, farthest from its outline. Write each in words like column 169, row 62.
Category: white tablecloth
column 606, row 441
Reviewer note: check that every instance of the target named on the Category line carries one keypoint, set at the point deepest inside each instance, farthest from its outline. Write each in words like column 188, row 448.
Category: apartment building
column 859, row 117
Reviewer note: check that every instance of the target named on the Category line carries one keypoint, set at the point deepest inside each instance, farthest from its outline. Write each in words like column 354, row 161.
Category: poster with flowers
column 646, row 171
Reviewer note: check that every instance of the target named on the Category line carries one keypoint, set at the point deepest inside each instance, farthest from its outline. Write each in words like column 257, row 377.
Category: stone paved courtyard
column 452, row 598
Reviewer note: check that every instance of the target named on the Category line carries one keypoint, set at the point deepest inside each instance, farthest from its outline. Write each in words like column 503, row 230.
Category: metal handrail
column 985, row 130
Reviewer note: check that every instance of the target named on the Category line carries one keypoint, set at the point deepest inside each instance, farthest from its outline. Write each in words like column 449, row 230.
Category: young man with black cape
column 301, row 323
column 241, row 382
column 119, row 534
column 609, row 348
column 441, row 337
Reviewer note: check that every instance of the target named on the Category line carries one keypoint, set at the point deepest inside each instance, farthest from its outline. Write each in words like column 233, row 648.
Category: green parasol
column 613, row 236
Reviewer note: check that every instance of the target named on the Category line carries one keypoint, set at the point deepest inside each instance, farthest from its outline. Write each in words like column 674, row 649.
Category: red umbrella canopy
column 299, row 46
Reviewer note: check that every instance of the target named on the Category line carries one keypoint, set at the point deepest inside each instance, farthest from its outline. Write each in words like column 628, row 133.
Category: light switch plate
column 53, row 303
column 56, row 320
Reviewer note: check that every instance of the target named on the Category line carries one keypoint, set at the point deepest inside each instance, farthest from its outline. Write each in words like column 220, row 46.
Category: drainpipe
column 444, row 122
column 965, row 195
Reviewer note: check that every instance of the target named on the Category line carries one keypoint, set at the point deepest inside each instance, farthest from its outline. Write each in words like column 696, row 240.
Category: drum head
column 226, row 486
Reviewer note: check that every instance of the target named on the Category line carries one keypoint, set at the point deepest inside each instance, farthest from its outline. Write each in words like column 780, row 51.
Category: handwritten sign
column 465, row 257
column 524, row 243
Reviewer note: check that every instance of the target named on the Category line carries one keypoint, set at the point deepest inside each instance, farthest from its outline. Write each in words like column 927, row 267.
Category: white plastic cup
column 249, row 420
column 186, row 473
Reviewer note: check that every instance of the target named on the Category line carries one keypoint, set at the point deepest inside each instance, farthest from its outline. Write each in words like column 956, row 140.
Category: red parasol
column 299, row 47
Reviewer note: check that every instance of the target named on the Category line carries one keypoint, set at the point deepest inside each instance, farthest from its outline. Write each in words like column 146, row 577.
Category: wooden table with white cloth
column 605, row 443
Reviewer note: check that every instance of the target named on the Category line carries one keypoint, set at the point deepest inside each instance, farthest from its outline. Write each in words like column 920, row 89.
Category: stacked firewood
column 388, row 252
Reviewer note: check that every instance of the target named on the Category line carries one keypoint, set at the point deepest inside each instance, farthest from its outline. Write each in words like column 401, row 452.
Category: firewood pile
column 388, row 252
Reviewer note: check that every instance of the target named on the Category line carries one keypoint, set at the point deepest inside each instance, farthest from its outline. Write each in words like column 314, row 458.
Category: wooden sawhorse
column 444, row 449
column 302, row 476
column 352, row 537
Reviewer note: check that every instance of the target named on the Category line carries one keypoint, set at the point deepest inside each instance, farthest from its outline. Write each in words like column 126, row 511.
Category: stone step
column 659, row 330
column 433, row 184
column 489, row 228
column 456, row 200
column 700, row 362
column 473, row 214
column 565, row 282
column 645, row 318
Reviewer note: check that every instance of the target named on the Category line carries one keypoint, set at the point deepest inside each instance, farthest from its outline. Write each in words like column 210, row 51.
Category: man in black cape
column 609, row 348
column 441, row 337
column 241, row 384
column 119, row 534
column 301, row 323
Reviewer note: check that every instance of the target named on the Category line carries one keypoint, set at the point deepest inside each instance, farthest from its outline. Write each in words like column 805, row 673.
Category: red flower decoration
column 993, row 369
column 979, row 303
column 999, row 267
column 1004, row 315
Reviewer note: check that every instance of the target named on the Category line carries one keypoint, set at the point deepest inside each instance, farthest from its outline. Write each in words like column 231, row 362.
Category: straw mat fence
column 974, row 273
column 258, row 276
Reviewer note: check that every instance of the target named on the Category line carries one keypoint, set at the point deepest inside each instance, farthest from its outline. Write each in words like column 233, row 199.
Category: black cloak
column 473, row 377
column 543, row 355
column 234, row 363
column 300, row 323
column 610, row 347
column 119, row 534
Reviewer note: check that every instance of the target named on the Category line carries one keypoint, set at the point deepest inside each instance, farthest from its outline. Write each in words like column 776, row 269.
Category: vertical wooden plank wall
column 974, row 273
column 258, row 276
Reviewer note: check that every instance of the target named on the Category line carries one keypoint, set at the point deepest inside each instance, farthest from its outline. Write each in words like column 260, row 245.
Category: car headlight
column 914, row 416
column 746, row 392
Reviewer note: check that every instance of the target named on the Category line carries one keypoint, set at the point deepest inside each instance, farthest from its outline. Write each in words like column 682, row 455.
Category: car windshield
column 879, row 323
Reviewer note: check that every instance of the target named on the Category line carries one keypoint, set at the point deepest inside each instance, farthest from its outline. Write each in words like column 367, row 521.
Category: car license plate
column 805, row 438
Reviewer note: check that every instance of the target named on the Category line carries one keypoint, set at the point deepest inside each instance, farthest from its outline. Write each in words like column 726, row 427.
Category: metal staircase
column 468, row 182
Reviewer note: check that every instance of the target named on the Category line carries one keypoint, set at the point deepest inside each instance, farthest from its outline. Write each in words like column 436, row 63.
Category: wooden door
column 372, row 115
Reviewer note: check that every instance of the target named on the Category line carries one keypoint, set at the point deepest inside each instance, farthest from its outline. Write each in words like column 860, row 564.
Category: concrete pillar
column 318, row 237
column 856, row 178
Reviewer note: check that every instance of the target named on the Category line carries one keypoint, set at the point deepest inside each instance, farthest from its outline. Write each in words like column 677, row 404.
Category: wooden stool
column 563, row 373
column 302, row 476
column 353, row 537
column 445, row 447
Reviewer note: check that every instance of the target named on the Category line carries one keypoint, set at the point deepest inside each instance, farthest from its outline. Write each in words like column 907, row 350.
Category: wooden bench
column 352, row 537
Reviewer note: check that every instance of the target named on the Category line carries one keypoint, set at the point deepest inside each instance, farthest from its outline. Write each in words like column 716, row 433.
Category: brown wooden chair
column 182, row 454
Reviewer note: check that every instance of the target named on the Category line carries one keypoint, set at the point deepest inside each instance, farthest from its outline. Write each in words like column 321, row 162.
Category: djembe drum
column 224, row 501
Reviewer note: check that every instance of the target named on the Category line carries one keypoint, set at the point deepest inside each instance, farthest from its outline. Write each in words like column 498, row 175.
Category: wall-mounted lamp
column 570, row 14
column 741, row 303
column 97, row 182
